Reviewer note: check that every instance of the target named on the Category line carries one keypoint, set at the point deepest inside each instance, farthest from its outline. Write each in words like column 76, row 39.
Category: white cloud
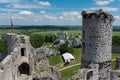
column 21, row 6
column 73, row 15
column 26, row 13
column 104, row 8
column 42, row 12
column 48, row 17
column 103, row 2
column 117, row 20
column 8, row 1
column 117, row 17
column 61, row 17
column 9, row 10
column 45, row 4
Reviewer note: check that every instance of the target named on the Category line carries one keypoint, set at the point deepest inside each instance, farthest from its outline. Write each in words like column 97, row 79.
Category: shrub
column 3, row 45
column 64, row 48
column 48, row 38
column 116, row 40
column 36, row 40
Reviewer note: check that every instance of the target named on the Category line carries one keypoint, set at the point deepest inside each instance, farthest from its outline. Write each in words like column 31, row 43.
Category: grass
column 68, row 73
column 116, row 33
column 114, row 55
column 54, row 60
column 113, row 65
column 58, row 62
column 53, row 32
column 48, row 44
column 74, row 32
column 4, row 31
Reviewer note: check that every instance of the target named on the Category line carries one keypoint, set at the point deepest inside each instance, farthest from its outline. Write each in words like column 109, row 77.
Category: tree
column 36, row 40
column 116, row 40
column 3, row 45
column 64, row 48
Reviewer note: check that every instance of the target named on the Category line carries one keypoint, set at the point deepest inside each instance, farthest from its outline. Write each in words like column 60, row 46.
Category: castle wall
column 115, row 75
column 23, row 61
column 9, row 67
column 97, row 39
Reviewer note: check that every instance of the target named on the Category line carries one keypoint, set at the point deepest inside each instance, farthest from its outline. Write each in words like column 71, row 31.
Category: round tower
column 97, row 41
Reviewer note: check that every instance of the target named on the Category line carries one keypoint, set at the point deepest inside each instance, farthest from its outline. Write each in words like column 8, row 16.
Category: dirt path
column 69, row 66
column 74, row 65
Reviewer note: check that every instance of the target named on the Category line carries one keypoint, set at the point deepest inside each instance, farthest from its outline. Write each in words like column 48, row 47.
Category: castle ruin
column 23, row 62
column 96, row 47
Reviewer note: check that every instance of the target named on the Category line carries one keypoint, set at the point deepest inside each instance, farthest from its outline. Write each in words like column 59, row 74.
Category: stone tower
column 97, row 39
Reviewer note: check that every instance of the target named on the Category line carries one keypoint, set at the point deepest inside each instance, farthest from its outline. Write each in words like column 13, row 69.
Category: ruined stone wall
column 115, row 75
column 97, row 39
column 24, row 62
column 9, row 67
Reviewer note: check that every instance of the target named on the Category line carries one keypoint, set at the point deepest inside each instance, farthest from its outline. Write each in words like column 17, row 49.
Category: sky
column 53, row 12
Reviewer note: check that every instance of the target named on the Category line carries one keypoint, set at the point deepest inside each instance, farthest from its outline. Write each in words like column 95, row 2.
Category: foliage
column 114, row 55
column 116, row 40
column 36, row 40
column 48, row 38
column 64, row 48
column 3, row 45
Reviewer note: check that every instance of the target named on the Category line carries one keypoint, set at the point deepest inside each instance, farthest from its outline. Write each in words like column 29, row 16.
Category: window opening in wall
column 22, row 51
column 89, row 75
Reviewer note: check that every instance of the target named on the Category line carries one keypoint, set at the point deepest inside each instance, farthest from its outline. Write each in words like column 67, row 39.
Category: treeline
column 49, row 27
column 44, row 27
column 116, row 28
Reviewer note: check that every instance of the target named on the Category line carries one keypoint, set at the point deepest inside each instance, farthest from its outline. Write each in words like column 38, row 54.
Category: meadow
column 57, row 61
column 46, row 32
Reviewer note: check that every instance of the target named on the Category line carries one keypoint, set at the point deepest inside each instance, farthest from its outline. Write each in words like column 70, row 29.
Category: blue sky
column 53, row 12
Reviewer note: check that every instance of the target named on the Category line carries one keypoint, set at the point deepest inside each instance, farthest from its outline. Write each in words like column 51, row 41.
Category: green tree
column 36, row 40
column 48, row 38
column 116, row 40
column 3, row 45
column 64, row 48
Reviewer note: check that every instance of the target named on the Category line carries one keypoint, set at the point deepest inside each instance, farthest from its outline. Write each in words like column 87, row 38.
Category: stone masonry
column 21, row 62
column 97, row 39
column 96, row 47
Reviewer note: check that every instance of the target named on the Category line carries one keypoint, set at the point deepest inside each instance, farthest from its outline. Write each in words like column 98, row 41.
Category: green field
column 68, row 73
column 58, row 62
column 4, row 31
column 47, row 32
column 74, row 32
